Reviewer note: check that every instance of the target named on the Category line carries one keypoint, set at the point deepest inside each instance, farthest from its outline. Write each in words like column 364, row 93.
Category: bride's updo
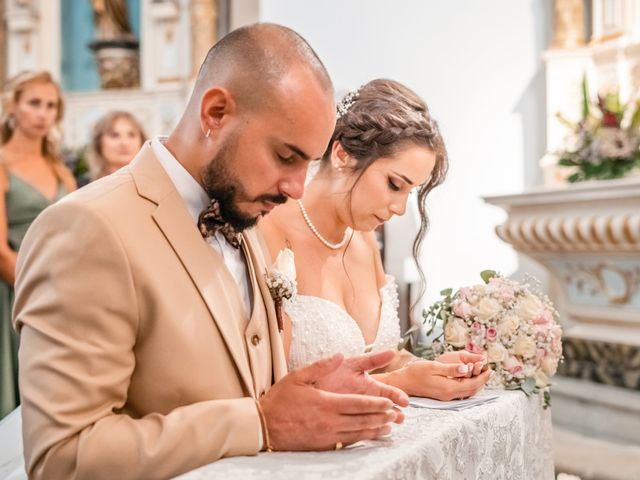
column 379, row 120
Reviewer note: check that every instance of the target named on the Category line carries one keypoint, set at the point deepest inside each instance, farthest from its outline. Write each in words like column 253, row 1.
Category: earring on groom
column 206, row 135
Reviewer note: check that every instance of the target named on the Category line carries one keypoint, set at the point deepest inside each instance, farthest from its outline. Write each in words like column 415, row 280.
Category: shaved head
column 252, row 60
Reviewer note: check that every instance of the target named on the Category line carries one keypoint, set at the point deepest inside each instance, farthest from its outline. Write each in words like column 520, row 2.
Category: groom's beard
column 221, row 184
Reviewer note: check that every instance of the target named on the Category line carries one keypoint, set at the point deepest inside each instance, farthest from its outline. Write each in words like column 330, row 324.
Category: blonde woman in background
column 116, row 139
column 32, row 177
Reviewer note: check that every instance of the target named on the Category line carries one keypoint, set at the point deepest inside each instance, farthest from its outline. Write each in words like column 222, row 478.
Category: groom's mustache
column 277, row 199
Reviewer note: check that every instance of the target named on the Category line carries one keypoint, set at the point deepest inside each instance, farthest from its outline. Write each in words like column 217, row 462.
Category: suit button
column 255, row 339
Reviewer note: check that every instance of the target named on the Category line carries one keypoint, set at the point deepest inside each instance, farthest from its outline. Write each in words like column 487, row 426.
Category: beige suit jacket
column 136, row 358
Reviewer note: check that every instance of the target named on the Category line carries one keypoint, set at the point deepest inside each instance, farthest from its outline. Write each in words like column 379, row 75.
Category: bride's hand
column 474, row 361
column 433, row 379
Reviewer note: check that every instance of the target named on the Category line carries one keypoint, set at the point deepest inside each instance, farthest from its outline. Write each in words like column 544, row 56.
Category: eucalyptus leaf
column 528, row 386
column 446, row 292
column 487, row 275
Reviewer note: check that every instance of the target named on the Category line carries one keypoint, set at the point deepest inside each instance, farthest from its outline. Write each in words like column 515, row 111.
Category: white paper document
column 420, row 402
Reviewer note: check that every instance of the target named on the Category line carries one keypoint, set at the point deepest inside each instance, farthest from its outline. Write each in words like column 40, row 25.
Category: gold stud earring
column 208, row 133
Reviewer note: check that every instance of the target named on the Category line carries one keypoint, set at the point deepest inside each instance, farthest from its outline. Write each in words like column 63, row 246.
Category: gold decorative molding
column 568, row 29
column 3, row 45
column 204, row 18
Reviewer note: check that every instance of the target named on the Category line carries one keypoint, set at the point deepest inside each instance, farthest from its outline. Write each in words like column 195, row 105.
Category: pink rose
column 473, row 347
column 462, row 309
column 540, row 354
column 492, row 333
column 475, row 326
column 513, row 366
column 465, row 293
column 545, row 318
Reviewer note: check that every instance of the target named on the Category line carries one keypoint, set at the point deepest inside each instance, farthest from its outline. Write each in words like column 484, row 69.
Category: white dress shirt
column 196, row 199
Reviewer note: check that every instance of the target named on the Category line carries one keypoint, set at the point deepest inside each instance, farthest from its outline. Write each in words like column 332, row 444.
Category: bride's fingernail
column 463, row 369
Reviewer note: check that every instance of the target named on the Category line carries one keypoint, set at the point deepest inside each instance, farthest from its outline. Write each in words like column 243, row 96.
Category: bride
column 385, row 145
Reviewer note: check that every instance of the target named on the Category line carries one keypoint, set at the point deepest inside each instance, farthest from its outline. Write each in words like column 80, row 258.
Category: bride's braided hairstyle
column 378, row 121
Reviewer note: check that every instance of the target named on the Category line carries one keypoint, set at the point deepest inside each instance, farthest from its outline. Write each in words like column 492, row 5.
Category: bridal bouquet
column 605, row 143
column 514, row 327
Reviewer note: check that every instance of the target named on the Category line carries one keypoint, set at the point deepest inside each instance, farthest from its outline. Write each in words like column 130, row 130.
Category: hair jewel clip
column 345, row 104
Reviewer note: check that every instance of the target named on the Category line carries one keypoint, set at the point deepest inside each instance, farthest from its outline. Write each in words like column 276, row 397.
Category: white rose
column 487, row 308
column 496, row 352
column 455, row 333
column 549, row 366
column 529, row 370
column 285, row 264
column 541, row 379
column 529, row 307
column 508, row 324
column 524, row 346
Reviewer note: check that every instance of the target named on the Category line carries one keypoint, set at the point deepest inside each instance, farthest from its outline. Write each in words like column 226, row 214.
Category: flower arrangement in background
column 513, row 326
column 76, row 161
column 605, row 143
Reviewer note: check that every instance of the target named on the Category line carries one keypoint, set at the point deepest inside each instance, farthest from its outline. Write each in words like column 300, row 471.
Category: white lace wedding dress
column 321, row 328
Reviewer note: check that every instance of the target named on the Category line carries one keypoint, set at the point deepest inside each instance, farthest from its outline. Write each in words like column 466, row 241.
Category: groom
column 149, row 344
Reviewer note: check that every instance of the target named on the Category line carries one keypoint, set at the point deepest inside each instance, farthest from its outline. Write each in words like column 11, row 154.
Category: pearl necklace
column 312, row 227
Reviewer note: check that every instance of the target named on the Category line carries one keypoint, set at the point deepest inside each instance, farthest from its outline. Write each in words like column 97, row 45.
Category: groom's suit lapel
column 206, row 269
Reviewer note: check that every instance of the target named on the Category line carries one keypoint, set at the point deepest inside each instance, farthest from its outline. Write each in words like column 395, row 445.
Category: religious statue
column 111, row 19
column 115, row 46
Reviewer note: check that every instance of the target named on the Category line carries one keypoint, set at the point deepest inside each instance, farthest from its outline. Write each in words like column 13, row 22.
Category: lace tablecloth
column 509, row 438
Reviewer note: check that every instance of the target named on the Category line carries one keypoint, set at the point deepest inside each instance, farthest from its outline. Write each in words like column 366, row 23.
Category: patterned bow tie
column 210, row 221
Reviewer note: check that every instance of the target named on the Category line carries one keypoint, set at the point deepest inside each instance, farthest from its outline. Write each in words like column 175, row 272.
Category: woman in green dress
column 32, row 177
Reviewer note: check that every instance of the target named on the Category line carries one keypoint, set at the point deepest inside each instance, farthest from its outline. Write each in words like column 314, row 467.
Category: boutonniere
column 281, row 281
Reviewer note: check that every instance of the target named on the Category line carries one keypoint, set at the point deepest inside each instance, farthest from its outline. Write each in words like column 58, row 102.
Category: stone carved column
column 588, row 238
column 568, row 29
column 204, row 16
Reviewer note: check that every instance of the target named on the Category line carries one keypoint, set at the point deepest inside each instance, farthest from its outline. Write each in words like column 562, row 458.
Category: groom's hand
column 300, row 416
column 352, row 377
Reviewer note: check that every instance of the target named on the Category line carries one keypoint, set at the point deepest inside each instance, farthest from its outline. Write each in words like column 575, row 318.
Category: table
column 509, row 438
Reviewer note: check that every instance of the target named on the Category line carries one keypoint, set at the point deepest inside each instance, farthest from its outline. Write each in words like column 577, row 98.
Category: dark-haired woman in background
column 385, row 144
column 32, row 177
